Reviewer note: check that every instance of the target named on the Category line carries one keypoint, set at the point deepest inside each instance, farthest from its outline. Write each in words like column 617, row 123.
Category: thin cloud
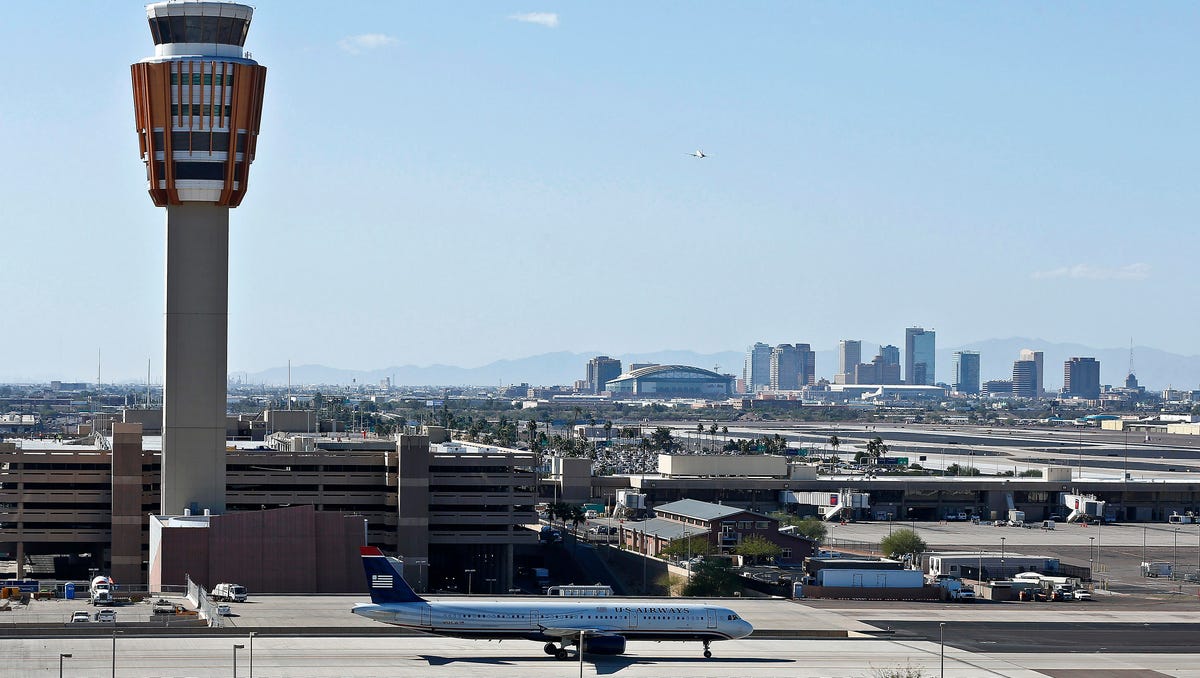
column 1138, row 271
column 547, row 19
column 357, row 44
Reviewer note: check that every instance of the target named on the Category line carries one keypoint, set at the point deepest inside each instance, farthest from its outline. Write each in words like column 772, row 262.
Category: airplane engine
column 604, row 645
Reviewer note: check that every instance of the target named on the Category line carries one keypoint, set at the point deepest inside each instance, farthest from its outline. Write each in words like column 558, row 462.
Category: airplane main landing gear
column 707, row 652
column 560, row 653
column 550, row 649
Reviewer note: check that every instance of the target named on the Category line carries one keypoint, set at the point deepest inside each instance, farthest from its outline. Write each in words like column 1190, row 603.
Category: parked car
column 224, row 610
column 109, row 616
column 1082, row 594
column 80, row 617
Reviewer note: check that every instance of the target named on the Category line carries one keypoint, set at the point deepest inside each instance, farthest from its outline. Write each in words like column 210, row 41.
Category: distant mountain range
column 1154, row 368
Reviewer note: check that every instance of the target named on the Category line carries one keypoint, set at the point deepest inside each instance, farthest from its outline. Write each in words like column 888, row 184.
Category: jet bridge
column 830, row 505
column 1083, row 507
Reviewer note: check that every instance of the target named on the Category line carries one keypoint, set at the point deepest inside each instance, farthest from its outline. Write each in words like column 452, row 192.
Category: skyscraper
column 198, row 103
column 785, row 368
column 890, row 355
column 919, row 356
column 601, row 370
column 757, row 371
column 1037, row 358
column 1024, row 379
column 808, row 365
column 849, row 356
column 1081, row 378
column 966, row 372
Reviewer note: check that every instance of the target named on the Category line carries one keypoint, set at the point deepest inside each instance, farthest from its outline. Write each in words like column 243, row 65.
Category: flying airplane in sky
column 697, row 154
column 600, row 626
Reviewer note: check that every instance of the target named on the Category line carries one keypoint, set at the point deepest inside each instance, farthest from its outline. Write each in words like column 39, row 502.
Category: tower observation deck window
column 202, row 79
column 211, row 171
column 201, row 29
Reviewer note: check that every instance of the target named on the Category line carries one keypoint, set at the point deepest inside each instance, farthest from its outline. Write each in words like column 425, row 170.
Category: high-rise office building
column 1081, row 378
column 966, row 372
column 849, row 357
column 1024, row 379
column 890, row 355
column 198, row 103
column 1038, row 358
column 808, row 365
column 785, row 368
column 757, row 370
column 601, row 370
column 919, row 356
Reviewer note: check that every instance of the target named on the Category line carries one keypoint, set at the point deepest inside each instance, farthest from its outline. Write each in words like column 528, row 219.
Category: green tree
column 834, row 442
column 758, row 548
column 712, row 578
column 662, row 439
column 813, row 528
column 901, row 543
column 683, row 547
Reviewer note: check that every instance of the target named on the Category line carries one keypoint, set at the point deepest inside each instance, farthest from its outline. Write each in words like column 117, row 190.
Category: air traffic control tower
column 198, row 103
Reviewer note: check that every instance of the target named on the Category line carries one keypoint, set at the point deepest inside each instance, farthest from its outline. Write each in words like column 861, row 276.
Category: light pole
column 942, row 645
column 1091, row 557
column 61, row 657
column 114, row 653
column 582, row 633
column 470, row 577
column 235, row 649
column 491, row 585
column 1175, row 556
column 1002, row 570
column 252, row 654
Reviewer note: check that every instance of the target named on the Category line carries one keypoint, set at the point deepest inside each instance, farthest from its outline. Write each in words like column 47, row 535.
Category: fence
column 207, row 609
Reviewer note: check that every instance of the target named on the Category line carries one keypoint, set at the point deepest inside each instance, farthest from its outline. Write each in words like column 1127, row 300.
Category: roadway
column 965, row 655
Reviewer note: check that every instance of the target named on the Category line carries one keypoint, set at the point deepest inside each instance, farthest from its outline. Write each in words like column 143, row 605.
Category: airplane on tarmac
column 600, row 627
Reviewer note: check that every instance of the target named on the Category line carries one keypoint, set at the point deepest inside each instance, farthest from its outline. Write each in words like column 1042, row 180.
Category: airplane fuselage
column 499, row 620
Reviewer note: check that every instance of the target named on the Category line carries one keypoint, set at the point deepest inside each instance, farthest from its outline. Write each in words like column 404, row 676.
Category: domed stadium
column 671, row 381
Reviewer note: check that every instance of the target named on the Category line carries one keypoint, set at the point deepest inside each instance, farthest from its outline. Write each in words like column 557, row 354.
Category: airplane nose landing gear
column 707, row 652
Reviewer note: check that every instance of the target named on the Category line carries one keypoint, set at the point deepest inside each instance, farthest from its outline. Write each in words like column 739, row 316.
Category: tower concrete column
column 194, row 386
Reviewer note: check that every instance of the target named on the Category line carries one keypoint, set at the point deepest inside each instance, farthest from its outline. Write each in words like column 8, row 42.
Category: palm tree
column 834, row 442
column 576, row 515
column 876, row 448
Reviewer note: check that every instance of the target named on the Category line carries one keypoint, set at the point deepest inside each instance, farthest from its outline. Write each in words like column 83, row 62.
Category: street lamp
column 491, row 585
column 235, row 649
column 1002, row 570
column 114, row 653
column 1175, row 556
column 1091, row 556
column 252, row 654
column 942, row 645
column 470, row 576
column 61, row 657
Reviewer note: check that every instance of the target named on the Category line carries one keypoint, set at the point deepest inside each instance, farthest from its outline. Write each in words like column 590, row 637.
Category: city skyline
column 948, row 132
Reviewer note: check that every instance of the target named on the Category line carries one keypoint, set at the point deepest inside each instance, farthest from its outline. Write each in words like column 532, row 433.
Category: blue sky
column 463, row 182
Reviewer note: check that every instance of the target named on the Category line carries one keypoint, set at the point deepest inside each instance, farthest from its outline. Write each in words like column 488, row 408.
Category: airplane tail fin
column 384, row 581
